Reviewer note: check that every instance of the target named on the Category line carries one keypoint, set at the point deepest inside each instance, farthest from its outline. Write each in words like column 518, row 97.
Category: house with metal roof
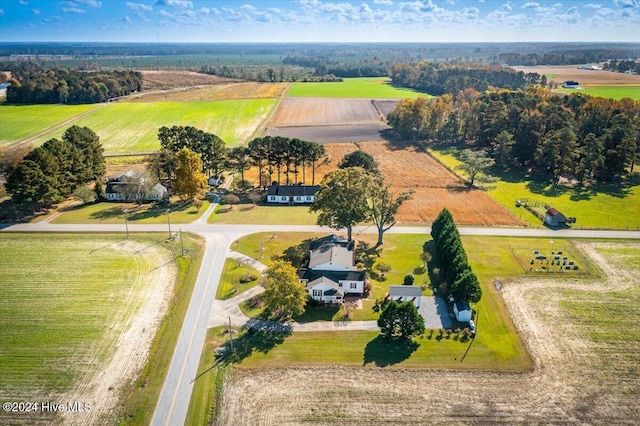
column 292, row 194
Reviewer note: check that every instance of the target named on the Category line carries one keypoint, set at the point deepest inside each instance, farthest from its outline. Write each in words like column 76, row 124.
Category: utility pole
column 181, row 243
column 231, row 337
column 169, row 222
column 126, row 225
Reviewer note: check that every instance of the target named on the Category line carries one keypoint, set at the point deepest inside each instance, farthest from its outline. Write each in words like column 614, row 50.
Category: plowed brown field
column 435, row 187
column 325, row 111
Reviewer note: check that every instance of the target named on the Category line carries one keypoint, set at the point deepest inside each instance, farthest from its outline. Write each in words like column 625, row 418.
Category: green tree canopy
column 359, row 158
column 475, row 163
column 284, row 295
column 342, row 198
column 401, row 319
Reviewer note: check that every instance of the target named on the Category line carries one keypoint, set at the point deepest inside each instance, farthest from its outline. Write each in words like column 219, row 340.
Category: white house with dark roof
column 331, row 273
column 292, row 194
column 130, row 187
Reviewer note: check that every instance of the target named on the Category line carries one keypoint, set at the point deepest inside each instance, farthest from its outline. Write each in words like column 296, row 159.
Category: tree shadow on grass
column 383, row 351
column 260, row 336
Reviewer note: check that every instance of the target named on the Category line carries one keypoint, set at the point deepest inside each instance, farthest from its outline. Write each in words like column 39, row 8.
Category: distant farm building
column 292, row 194
column 570, row 84
column 406, row 293
column 553, row 218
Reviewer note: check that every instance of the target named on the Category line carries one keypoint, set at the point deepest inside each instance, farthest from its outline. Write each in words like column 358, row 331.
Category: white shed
column 462, row 311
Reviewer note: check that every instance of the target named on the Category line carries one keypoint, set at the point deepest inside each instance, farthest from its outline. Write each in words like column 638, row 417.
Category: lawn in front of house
column 113, row 212
column 262, row 215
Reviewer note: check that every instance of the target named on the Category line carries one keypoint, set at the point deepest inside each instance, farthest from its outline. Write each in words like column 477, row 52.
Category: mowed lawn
column 364, row 87
column 64, row 299
column 21, row 121
column 612, row 92
column 602, row 206
column 497, row 345
column 263, row 215
column 128, row 128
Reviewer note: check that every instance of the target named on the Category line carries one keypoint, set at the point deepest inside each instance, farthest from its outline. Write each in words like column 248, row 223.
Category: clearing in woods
column 582, row 335
column 77, row 324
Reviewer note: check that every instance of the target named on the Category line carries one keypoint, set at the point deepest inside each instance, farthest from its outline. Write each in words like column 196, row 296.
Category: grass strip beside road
column 230, row 285
column 263, row 215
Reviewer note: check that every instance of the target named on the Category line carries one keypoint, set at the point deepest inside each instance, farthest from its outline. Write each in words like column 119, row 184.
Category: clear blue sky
column 319, row 20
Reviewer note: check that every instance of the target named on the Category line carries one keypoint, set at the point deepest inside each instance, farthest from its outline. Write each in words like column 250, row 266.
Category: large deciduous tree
column 342, row 198
column 190, row 183
column 284, row 295
column 383, row 205
column 475, row 163
column 209, row 146
column 359, row 158
column 401, row 319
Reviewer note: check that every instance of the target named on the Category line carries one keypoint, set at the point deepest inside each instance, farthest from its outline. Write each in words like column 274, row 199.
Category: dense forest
column 565, row 56
column 623, row 66
column 576, row 136
column 439, row 78
column 34, row 85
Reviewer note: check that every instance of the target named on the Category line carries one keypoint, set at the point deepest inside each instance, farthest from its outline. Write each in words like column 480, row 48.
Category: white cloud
column 125, row 19
column 90, row 3
column 626, row 3
column 179, row 4
column 387, row 2
column 1, row 12
column 165, row 14
column 23, row 2
column 35, row 11
column 531, row 5
column 139, row 7
column 72, row 10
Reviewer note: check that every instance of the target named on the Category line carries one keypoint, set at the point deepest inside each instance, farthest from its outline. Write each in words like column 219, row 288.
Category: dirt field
column 571, row 72
column 331, row 134
column 325, row 111
column 163, row 79
column 572, row 383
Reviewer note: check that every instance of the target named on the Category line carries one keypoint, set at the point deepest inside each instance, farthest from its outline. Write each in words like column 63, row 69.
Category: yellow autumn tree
column 190, row 182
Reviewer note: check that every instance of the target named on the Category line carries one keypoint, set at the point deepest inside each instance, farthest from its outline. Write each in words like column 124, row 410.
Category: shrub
column 247, row 278
column 230, row 199
column 408, row 280
column 419, row 270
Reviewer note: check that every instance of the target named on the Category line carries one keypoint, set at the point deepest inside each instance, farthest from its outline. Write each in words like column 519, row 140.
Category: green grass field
column 61, row 312
column 19, row 122
column 263, row 215
column 110, row 212
column 230, row 284
column 592, row 206
column 612, row 92
column 128, row 128
column 366, row 87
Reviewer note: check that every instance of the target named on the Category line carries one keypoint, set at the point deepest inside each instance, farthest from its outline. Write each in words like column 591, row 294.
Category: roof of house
column 334, row 287
column 336, row 276
column 330, row 240
column 462, row 306
column 331, row 254
column 292, row 190
column 159, row 188
column 553, row 212
column 404, row 291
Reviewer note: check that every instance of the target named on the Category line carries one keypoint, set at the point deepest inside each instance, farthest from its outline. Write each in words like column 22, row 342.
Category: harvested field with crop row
column 78, row 326
column 574, row 330
column 248, row 90
column 332, row 134
column 163, row 79
column 560, row 74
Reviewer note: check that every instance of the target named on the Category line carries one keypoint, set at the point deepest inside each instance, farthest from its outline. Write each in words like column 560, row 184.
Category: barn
column 553, row 218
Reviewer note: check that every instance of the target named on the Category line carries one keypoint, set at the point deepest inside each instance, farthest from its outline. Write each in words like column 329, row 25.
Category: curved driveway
column 176, row 393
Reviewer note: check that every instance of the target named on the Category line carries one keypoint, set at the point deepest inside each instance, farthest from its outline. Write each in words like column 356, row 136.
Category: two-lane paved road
column 176, row 393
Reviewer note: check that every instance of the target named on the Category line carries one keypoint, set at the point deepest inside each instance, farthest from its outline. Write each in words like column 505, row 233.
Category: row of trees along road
column 455, row 271
column 52, row 172
column 575, row 136
column 351, row 195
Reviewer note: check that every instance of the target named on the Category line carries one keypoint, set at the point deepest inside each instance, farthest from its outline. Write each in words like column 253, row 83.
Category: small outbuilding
column 570, row 84
column 553, row 218
column 462, row 311
column 406, row 293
